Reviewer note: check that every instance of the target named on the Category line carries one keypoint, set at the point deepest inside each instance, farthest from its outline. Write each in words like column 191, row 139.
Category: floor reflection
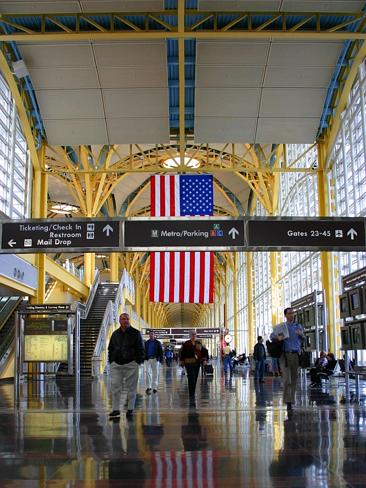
column 235, row 433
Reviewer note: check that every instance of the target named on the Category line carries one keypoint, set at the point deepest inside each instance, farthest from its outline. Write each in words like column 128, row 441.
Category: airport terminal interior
column 199, row 165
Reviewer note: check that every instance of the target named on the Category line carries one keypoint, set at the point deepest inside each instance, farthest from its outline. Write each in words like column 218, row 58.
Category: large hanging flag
column 181, row 277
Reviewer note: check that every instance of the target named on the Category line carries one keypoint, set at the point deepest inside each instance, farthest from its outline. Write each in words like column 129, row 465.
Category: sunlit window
column 348, row 174
column 14, row 159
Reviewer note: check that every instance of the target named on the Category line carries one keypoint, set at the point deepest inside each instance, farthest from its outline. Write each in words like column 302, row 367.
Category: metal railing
column 84, row 309
column 110, row 318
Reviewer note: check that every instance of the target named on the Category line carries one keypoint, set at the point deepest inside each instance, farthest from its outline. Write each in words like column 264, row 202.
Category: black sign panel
column 158, row 331
column 39, row 235
column 213, row 330
column 307, row 234
column 183, row 233
column 182, row 331
column 46, row 308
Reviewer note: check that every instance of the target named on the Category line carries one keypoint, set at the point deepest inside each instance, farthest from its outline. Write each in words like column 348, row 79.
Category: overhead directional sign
column 184, row 233
column 66, row 235
column 306, row 233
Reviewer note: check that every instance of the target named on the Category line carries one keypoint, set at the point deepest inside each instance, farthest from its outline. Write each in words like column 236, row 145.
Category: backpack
column 274, row 348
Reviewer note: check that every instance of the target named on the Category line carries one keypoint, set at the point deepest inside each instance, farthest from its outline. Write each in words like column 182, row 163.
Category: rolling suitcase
column 208, row 369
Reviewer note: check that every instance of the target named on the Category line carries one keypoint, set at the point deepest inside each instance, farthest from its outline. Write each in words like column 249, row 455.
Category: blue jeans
column 259, row 369
column 228, row 365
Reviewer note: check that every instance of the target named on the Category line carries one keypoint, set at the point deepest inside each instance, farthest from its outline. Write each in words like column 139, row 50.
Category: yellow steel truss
column 195, row 24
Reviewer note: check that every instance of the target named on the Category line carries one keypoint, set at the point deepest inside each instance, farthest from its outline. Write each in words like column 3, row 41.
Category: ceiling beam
column 195, row 24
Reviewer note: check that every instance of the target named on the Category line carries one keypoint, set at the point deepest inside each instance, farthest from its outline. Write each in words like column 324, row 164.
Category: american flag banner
column 181, row 277
column 185, row 469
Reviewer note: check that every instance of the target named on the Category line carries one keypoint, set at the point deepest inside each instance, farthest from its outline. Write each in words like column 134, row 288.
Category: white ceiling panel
column 39, row 6
column 286, row 76
column 283, row 5
column 289, row 79
column 292, row 102
column 305, row 54
column 102, row 80
column 73, row 6
column 70, row 104
column 139, row 102
column 57, row 55
column 322, row 5
column 230, row 102
column 233, row 5
column 130, row 53
column 76, row 131
column 235, row 76
column 224, row 129
column 287, row 130
column 63, row 78
column 138, row 77
column 138, row 130
column 122, row 5
column 232, row 53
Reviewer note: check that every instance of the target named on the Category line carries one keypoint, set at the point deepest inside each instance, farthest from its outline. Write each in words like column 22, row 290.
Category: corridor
column 237, row 434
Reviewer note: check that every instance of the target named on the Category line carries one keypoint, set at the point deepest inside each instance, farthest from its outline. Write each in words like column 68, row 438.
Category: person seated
column 320, row 365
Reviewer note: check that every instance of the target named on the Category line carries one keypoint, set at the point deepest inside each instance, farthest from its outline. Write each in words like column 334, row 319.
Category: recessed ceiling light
column 175, row 162
column 63, row 208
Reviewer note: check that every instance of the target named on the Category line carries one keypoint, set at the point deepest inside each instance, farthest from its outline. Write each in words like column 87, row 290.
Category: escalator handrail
column 8, row 310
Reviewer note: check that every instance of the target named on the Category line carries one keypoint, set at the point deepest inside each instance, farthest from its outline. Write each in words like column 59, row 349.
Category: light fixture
column 102, row 256
column 63, row 208
column 20, row 69
column 175, row 162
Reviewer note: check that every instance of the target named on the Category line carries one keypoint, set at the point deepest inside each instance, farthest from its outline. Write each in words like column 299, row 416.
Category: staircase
column 89, row 328
column 7, row 323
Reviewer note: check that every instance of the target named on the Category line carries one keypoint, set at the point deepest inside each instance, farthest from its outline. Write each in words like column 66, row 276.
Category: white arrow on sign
column 11, row 243
column 107, row 229
column 352, row 233
column 233, row 232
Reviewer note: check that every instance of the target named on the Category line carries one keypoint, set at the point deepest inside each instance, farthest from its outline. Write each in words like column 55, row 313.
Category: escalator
column 8, row 306
column 89, row 327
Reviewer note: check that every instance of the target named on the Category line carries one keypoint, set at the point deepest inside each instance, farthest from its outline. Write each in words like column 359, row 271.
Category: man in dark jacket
column 190, row 358
column 126, row 352
column 153, row 357
column 259, row 356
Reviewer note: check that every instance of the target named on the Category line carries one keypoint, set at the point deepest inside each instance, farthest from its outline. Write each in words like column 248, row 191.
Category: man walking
column 289, row 360
column 153, row 358
column 190, row 357
column 228, row 362
column 125, row 354
column 259, row 356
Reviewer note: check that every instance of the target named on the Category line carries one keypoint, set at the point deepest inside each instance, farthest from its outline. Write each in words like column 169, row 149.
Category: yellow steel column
column 325, row 256
column 225, row 295
column 235, row 299
column 251, row 322
column 89, row 268
column 39, row 210
column 144, row 306
column 274, row 258
column 114, row 273
column 138, row 293
column 181, row 75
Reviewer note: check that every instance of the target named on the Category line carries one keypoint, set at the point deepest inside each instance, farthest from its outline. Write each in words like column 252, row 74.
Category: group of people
column 127, row 351
column 324, row 366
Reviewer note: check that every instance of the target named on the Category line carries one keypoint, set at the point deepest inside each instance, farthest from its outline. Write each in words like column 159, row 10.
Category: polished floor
column 237, row 434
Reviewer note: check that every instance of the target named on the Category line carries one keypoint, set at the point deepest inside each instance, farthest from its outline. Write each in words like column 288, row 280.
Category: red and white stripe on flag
column 183, row 469
column 177, row 277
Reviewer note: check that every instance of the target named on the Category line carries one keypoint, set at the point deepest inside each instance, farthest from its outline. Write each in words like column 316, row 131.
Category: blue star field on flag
column 196, row 195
